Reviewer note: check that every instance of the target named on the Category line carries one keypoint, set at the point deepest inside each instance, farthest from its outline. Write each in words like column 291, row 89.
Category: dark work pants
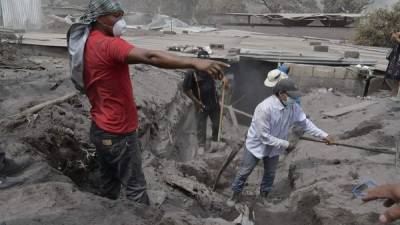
column 2, row 159
column 202, row 125
column 119, row 158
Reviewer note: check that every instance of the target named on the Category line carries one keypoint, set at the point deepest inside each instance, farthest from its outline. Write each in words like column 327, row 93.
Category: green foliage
column 376, row 29
column 345, row 6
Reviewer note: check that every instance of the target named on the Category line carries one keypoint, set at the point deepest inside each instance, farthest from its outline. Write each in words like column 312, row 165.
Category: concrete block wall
column 343, row 79
column 318, row 71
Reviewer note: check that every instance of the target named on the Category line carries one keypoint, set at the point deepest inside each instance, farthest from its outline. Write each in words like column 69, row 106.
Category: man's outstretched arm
column 391, row 194
column 169, row 61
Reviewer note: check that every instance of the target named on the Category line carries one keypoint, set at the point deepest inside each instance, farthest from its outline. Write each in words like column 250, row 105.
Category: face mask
column 289, row 102
column 298, row 100
column 119, row 28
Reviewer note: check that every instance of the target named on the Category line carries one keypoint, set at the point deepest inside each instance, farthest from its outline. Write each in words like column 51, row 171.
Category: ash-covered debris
column 313, row 183
column 12, row 58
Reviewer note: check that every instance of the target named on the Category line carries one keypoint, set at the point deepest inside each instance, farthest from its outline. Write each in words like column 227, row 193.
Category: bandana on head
column 98, row 8
column 79, row 33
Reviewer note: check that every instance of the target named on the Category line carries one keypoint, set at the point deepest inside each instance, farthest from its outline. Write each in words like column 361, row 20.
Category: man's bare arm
column 169, row 61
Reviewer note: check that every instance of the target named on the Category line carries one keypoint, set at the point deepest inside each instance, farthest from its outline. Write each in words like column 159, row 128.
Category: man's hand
column 329, row 140
column 200, row 107
column 396, row 36
column 214, row 68
column 225, row 82
column 391, row 193
column 290, row 148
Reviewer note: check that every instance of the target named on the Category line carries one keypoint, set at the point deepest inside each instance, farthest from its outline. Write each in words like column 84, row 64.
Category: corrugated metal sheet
column 22, row 14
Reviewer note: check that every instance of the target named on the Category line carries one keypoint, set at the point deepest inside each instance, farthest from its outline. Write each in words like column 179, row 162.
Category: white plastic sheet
column 163, row 22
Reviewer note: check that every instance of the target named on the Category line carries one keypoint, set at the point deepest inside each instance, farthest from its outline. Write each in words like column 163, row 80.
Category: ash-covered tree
column 293, row 6
column 345, row 6
column 377, row 27
column 273, row 6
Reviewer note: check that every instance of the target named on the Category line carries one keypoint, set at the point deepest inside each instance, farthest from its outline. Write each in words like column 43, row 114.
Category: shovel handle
column 375, row 149
column 221, row 113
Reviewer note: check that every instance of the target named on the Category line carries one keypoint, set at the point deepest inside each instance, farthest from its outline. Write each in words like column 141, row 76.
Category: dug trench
column 313, row 184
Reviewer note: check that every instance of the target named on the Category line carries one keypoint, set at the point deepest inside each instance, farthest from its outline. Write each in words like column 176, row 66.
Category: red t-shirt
column 108, row 84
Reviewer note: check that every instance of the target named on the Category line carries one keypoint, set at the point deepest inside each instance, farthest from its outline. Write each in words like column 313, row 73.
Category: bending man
column 268, row 134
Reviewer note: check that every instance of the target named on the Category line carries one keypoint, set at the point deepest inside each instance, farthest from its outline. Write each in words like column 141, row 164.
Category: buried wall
column 321, row 192
column 249, row 89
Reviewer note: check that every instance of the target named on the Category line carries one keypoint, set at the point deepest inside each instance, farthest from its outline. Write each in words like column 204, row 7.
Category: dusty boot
column 7, row 182
column 233, row 199
column 12, row 167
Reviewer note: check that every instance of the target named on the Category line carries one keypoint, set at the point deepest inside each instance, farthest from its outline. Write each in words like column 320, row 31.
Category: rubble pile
column 313, row 184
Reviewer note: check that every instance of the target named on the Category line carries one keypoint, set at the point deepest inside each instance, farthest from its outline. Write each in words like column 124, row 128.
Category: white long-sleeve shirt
column 268, row 132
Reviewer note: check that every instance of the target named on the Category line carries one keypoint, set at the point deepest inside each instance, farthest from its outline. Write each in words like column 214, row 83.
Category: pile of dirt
column 65, row 173
column 313, row 184
column 12, row 58
column 54, row 203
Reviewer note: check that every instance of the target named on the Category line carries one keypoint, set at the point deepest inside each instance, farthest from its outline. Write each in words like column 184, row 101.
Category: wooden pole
column 240, row 112
column 227, row 161
column 221, row 115
column 374, row 149
column 37, row 108
column 397, row 155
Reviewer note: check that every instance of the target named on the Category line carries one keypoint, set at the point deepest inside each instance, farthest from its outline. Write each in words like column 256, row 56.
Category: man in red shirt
column 108, row 86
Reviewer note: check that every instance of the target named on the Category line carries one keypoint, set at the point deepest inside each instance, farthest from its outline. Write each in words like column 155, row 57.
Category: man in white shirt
column 268, row 134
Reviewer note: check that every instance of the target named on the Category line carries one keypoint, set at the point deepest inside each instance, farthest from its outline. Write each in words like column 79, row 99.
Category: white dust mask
column 289, row 102
column 119, row 28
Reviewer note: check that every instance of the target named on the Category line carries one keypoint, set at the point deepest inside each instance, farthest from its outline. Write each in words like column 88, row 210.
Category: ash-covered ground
column 313, row 184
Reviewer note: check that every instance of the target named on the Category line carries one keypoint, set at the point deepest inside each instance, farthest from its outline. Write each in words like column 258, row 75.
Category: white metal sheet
column 22, row 14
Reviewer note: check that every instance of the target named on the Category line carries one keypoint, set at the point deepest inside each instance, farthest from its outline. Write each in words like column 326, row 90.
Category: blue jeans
column 119, row 157
column 249, row 162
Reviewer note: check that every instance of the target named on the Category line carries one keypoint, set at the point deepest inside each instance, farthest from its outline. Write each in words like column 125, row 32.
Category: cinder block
column 351, row 54
column 315, row 43
column 217, row 46
column 340, row 72
column 321, row 48
column 234, row 51
column 324, row 72
column 301, row 70
column 352, row 74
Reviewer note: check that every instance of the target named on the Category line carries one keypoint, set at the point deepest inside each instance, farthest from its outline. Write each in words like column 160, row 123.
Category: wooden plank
column 348, row 109
column 240, row 112
column 233, row 117
column 37, row 108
